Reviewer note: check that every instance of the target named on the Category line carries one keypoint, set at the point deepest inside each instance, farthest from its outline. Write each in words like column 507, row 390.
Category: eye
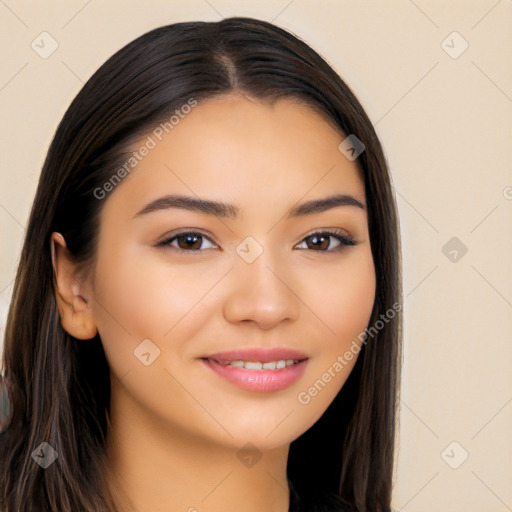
column 320, row 241
column 188, row 241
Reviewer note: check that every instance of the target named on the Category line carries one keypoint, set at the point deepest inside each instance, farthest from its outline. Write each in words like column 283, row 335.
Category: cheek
column 343, row 299
column 147, row 298
column 344, row 303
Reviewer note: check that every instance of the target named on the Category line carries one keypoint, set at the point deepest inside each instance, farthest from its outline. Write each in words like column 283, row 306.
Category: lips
column 258, row 369
column 264, row 355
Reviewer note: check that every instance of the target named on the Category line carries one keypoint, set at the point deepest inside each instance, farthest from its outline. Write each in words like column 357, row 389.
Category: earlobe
column 74, row 307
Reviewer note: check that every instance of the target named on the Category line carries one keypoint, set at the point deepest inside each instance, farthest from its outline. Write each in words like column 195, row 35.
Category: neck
column 155, row 468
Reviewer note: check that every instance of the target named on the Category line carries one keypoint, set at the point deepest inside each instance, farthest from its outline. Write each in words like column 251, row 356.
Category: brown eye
column 188, row 241
column 322, row 241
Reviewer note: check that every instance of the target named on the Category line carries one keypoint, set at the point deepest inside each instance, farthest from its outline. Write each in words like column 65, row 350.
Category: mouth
column 257, row 365
column 259, row 370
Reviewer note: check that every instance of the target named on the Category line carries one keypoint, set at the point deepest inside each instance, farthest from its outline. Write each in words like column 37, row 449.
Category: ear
column 74, row 308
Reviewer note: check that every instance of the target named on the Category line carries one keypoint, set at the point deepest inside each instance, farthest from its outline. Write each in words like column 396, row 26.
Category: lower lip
column 264, row 381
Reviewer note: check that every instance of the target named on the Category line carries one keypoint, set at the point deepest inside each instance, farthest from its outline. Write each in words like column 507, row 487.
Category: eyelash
column 343, row 238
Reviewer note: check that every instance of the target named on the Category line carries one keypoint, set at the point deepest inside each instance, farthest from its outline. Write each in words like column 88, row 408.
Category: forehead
column 244, row 150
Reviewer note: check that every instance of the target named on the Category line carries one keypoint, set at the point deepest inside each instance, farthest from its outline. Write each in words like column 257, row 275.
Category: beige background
column 446, row 127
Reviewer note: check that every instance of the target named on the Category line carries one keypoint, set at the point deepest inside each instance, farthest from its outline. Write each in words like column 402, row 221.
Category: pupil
column 190, row 241
column 319, row 241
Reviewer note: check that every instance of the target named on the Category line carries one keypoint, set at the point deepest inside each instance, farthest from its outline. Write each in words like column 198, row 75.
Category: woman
column 206, row 314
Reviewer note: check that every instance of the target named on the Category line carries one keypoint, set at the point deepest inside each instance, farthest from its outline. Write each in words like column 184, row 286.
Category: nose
column 261, row 293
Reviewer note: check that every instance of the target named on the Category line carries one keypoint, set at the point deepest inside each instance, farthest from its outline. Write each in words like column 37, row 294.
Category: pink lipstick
column 259, row 369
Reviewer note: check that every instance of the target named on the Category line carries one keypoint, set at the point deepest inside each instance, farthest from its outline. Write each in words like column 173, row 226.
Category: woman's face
column 178, row 286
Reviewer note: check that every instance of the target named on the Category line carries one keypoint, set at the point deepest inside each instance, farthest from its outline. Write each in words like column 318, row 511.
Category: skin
column 176, row 426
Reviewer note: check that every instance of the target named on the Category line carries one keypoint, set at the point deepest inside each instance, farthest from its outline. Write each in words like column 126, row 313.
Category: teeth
column 258, row 365
column 253, row 365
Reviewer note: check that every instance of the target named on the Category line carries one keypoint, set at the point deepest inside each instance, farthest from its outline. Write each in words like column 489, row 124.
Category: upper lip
column 264, row 355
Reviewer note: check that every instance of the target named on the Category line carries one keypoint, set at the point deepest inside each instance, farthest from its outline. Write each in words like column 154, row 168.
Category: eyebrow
column 225, row 210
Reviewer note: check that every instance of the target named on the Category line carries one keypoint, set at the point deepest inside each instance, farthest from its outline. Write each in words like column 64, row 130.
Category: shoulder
column 319, row 501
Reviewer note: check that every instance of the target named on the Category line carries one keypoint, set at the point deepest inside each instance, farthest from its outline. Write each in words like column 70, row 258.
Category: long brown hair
column 61, row 387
